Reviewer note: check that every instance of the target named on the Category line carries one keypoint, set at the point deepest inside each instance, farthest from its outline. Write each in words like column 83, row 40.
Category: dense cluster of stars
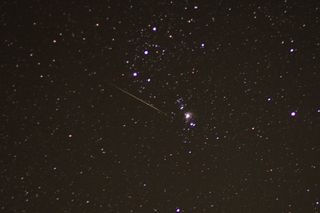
column 160, row 106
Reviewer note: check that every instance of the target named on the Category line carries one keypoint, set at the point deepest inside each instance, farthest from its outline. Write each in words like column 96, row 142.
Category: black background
column 72, row 142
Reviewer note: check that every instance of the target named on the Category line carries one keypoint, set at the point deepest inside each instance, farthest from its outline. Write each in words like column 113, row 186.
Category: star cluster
column 160, row 106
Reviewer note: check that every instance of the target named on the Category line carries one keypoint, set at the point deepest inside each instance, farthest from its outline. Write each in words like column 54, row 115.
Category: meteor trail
column 139, row 99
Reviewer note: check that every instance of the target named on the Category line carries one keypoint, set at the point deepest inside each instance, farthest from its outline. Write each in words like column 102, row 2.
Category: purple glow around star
column 154, row 29
column 192, row 124
column 146, row 52
column 180, row 103
column 293, row 114
column 178, row 209
column 135, row 74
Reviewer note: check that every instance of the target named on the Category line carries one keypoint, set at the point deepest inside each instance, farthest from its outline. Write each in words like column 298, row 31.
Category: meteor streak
column 139, row 99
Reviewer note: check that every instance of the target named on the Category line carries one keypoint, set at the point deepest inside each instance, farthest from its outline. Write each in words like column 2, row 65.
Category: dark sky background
column 237, row 84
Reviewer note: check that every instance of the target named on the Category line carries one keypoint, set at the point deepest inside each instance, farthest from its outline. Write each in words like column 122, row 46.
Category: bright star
column 187, row 115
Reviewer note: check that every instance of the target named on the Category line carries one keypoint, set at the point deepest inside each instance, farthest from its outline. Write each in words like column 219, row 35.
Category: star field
column 160, row 106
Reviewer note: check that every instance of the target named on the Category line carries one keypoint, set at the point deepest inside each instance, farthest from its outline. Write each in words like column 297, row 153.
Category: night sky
column 160, row 106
